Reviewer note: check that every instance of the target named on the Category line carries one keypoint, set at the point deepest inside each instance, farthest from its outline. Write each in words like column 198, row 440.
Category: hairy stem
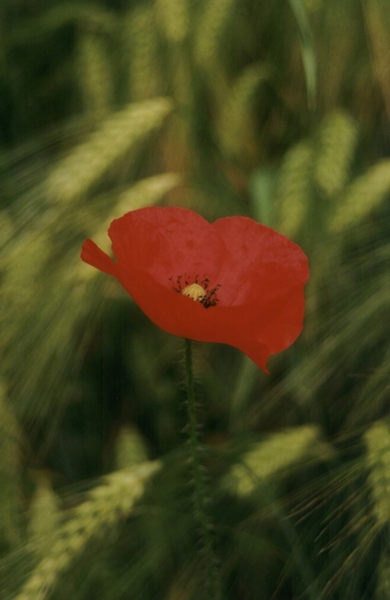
column 200, row 495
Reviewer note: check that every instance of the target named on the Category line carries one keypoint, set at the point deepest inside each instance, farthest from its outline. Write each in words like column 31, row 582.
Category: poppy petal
column 94, row 256
column 262, row 263
column 257, row 352
column 167, row 242
column 252, row 277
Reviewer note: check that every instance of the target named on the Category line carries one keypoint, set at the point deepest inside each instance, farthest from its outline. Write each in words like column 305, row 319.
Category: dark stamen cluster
column 210, row 298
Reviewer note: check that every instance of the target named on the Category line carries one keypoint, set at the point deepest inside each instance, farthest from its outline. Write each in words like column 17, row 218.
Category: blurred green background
column 278, row 110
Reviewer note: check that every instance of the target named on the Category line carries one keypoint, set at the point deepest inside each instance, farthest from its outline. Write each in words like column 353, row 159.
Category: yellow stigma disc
column 194, row 291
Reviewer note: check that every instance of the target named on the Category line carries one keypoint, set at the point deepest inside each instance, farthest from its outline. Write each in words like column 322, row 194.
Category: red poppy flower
column 233, row 281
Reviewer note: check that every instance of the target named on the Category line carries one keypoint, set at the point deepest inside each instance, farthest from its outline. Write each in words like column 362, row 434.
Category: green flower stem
column 200, row 496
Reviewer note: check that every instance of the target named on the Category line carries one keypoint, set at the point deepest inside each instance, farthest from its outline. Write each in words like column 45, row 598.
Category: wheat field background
column 275, row 110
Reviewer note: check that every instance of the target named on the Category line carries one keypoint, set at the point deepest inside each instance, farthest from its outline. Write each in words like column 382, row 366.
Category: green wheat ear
column 362, row 196
column 119, row 133
column 141, row 54
column 210, row 32
column 130, row 448
column 147, row 191
column 107, row 504
column 235, row 121
column 276, row 454
column 321, row 163
column 174, row 18
column 336, row 145
column 94, row 74
column 44, row 516
column 377, row 440
column 294, row 188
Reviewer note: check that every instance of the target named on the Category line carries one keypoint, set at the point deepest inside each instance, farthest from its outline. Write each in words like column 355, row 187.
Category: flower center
column 199, row 290
column 194, row 291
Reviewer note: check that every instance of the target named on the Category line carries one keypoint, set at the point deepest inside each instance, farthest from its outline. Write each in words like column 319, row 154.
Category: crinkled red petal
column 262, row 263
column 166, row 242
